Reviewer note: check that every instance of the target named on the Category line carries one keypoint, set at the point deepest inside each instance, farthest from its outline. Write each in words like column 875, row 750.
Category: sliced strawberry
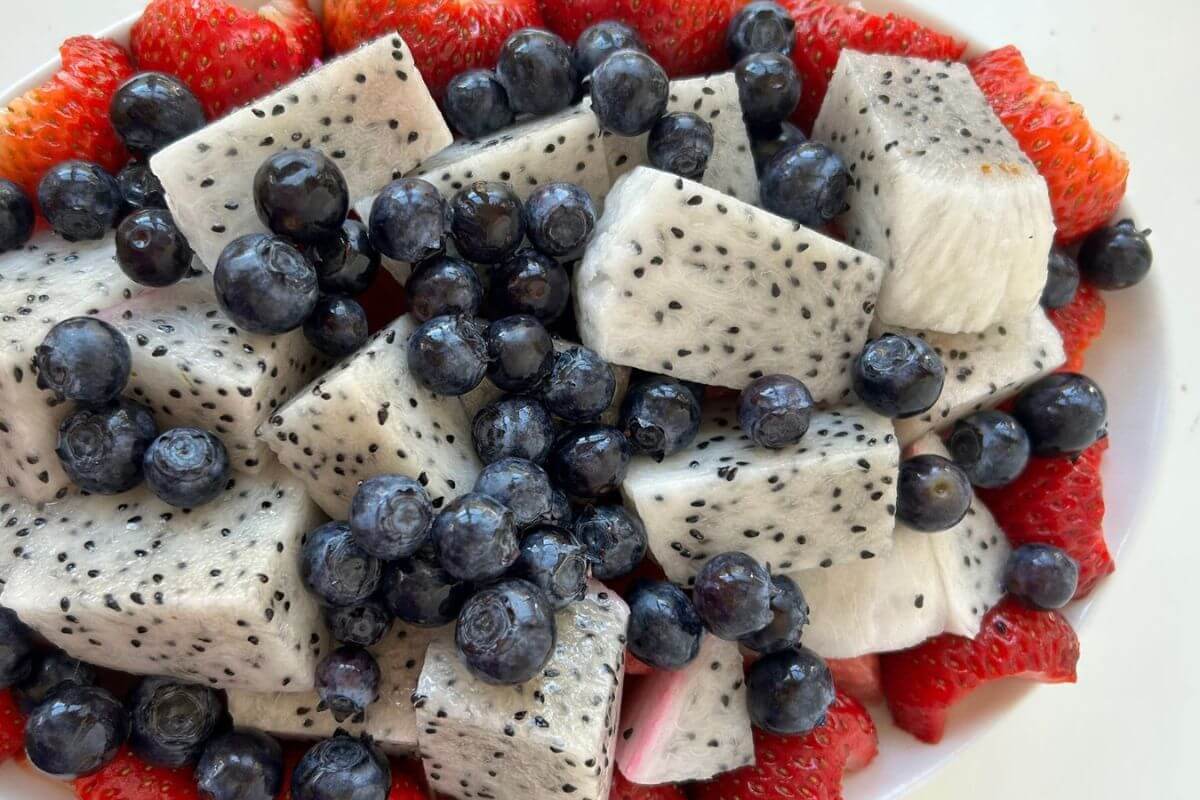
column 384, row 301
column 622, row 789
column 12, row 727
column 569, row 18
column 858, row 677
column 292, row 753
column 1079, row 323
column 127, row 777
column 687, row 37
column 635, row 666
column 405, row 785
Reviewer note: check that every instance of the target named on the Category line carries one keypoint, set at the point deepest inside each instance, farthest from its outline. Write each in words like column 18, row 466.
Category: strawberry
column 67, row 116
column 824, row 28
column 12, row 727
column 1014, row 641
column 569, row 18
column 228, row 56
column 635, row 666
column 127, row 777
column 445, row 36
column 405, row 785
column 1086, row 172
column 1079, row 323
column 857, row 677
column 383, row 301
column 622, row 789
column 1058, row 501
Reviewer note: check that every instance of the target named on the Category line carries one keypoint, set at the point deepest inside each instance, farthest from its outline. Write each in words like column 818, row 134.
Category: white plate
column 1130, row 361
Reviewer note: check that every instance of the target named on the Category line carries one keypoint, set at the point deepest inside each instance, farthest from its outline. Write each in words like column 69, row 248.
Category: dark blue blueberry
column 418, row 591
column 1063, row 413
column 390, row 516
column 243, row 764
column 302, row 195
column 660, row 416
column 764, row 144
column 1043, row 576
column 590, row 460
column 789, row 615
column 336, row 568
column 76, row 731
column 448, row 354
column 16, row 216
column 580, row 386
column 806, row 183
column 560, row 514
column 768, row 88
column 363, row 625
column 187, row 467
column 898, row 376
column 775, row 411
column 342, row 768
column 559, row 218
column 789, row 692
column 681, row 143
column 16, row 649
column 991, row 447
column 152, row 110
column 80, row 200
column 102, row 448
column 347, row 262
column 553, row 561
column 51, row 670
column 732, row 594
column 151, row 250
column 536, row 71
column 408, row 220
column 83, row 359
column 487, row 221
column 521, row 485
column 697, row 390
column 629, row 92
column 530, row 283
column 521, row 353
column 337, row 326
column 443, row 285
column 475, row 537
column 170, row 722
column 600, row 41
column 932, row 494
column 518, row 427
column 615, row 539
column 264, row 284
column 664, row 628
column 476, row 104
column 1062, row 279
column 348, row 682
column 760, row 27
column 1116, row 257
column 140, row 187
column 506, row 633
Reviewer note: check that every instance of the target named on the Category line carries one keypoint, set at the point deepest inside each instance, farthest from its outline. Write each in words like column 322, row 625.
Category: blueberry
column 806, row 183
column 789, row 692
column 898, row 376
column 448, row 354
column 600, row 41
column 768, row 88
column 660, row 416
column 363, row 625
column 151, row 249
column 1062, row 279
column 521, row 353
column 140, row 188
column 342, row 768
column 991, row 447
column 615, row 539
column 16, row 649
column 187, row 467
column 243, row 764
column 535, row 69
column 530, row 283
column 764, row 144
column 521, row 485
column 348, row 682
column 789, row 615
column 170, row 722
column 75, row 732
column 302, row 195
column 264, row 284
column 152, row 110
column 418, row 591
column 517, row 427
column 506, row 633
column 1043, row 576
column 16, row 216
column 80, row 200
column 560, row 513
column 681, row 143
column 102, row 447
column 475, row 537
column 590, row 460
column 629, row 92
column 443, row 285
column 1063, row 413
column 51, row 670
column 559, row 218
column 580, row 386
column 487, row 221
column 933, row 493
column 83, row 359
column 664, row 628
column 1116, row 257
column 390, row 516
column 335, row 568
column 347, row 262
column 337, row 326
column 476, row 104
column 408, row 220
column 732, row 594
column 553, row 561
column 760, row 27
column 775, row 411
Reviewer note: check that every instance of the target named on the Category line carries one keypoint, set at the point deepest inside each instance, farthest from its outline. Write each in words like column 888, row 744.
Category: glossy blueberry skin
column 535, row 69
column 806, row 183
column 732, row 594
column 170, row 722
column 898, row 376
column 408, row 220
column 530, row 283
column 418, row 591
column 16, row 649
column 83, row 359
column 1043, row 576
column 1062, row 279
column 264, row 284
column 475, row 537
column 521, row 485
column 301, row 195
column 335, row 568
column 760, row 27
column 487, row 221
column 629, row 92
column 51, row 670
column 363, row 625
column 152, row 110
column 75, row 732
column 443, row 285
column 337, row 326
column 521, row 353
column 553, row 561
column 517, row 427
column 768, row 87
column 140, row 187
column 933, row 493
column 660, row 416
column 342, row 768
column 476, row 104
column 448, row 354
column 775, row 411
column 390, row 516
column 789, row 615
column 580, row 386
column 243, row 764
column 615, row 539
column 347, row 262
column 80, row 200
column 151, row 250
column 664, row 628
column 764, row 144
column 991, row 447
column 559, row 218
column 1063, row 413
column 187, row 467
column 681, row 143
column 789, row 692
column 102, row 448
column 348, row 682
column 561, row 514
column 1116, row 257
column 506, row 633
column 600, row 41
column 16, row 216
column 590, row 460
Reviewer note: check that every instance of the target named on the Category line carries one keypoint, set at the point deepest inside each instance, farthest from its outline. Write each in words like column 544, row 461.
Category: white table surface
column 1128, row 728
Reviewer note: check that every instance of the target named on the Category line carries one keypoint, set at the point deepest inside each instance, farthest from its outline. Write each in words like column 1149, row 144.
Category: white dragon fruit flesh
column 682, row 280
column 940, row 191
column 369, row 111
column 19, row 519
column 689, row 724
column 551, row 737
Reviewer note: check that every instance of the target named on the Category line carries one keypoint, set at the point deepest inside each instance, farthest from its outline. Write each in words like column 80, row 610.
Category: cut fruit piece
column 682, row 280
column 828, row 500
column 19, row 519
column 1079, row 323
column 369, row 111
column 858, row 677
column 940, row 191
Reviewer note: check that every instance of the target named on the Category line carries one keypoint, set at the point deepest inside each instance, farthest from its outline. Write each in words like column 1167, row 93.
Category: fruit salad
column 539, row 399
